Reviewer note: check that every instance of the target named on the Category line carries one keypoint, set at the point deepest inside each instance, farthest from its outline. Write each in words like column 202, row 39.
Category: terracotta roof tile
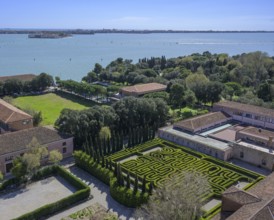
column 144, row 88
column 15, row 141
column 9, row 113
column 264, row 209
column 202, row 121
column 246, row 108
column 22, row 77
column 257, row 132
column 240, row 196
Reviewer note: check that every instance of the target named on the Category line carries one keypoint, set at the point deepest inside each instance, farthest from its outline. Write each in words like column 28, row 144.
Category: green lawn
column 51, row 105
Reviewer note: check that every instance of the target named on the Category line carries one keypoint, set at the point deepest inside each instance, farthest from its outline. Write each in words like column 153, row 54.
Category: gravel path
column 101, row 195
column 35, row 195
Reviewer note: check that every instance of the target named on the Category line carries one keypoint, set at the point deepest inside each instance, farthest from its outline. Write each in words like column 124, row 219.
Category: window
column 9, row 158
column 257, row 117
column 248, row 115
column 9, row 167
column 64, row 150
column 263, row 162
column 25, row 122
column 241, row 154
column 64, row 143
column 238, row 113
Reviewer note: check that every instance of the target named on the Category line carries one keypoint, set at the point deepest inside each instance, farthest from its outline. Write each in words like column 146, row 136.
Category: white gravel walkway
column 101, row 195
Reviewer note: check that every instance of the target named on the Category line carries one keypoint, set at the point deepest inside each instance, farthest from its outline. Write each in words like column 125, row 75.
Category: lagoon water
column 72, row 58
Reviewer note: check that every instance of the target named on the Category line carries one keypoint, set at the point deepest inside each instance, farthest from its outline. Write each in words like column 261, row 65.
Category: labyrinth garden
column 158, row 160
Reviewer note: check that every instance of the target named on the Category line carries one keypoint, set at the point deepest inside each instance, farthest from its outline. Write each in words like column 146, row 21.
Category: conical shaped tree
column 144, row 185
column 128, row 180
column 136, row 184
column 150, row 190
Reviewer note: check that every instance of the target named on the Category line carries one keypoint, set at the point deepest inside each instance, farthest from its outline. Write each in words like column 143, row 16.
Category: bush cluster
column 88, row 164
column 127, row 196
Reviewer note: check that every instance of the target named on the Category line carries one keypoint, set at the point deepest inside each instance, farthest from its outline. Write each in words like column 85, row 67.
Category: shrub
column 127, row 196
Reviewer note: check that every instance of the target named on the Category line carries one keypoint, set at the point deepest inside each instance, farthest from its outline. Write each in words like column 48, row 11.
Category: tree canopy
column 179, row 198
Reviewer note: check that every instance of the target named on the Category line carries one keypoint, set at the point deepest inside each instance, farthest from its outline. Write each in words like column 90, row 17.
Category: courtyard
column 35, row 195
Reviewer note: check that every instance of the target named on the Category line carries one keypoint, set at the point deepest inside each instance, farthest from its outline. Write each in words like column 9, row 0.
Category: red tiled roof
column 16, row 141
column 201, row 121
column 246, row 108
column 262, row 133
column 22, row 77
column 9, row 113
column 262, row 209
column 144, row 88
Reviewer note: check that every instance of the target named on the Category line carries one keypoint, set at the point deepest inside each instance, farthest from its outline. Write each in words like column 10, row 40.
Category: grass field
column 51, row 104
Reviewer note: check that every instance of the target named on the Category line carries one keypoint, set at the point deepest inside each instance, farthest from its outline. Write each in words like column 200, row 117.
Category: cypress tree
column 133, row 137
column 122, row 181
column 144, row 185
column 115, row 169
column 113, row 143
column 118, row 173
column 128, row 180
column 99, row 146
column 129, row 139
column 95, row 157
column 121, row 140
column 105, row 146
column 150, row 190
column 135, row 184
column 98, row 157
column 139, row 135
column 103, row 161
column 110, row 165
column 108, row 146
column 154, row 131
column 84, row 148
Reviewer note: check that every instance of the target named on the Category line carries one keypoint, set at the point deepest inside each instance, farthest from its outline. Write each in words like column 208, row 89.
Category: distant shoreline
column 115, row 31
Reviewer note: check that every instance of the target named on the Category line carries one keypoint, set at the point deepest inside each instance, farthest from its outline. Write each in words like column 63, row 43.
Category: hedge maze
column 169, row 159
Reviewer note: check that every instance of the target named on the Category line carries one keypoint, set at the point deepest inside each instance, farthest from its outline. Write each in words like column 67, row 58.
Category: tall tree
column 178, row 198
column 177, row 95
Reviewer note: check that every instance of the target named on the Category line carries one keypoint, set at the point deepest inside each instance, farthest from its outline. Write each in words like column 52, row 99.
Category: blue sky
column 139, row 14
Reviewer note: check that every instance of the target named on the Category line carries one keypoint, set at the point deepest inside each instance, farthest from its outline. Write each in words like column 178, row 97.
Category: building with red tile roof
column 142, row 89
column 12, row 118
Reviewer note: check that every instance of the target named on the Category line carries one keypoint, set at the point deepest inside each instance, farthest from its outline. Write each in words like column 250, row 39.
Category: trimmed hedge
column 121, row 194
column 126, row 196
column 56, row 206
column 8, row 183
column 82, row 193
column 87, row 163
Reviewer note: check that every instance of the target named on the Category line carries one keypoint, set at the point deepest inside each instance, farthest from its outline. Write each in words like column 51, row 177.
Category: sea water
column 74, row 57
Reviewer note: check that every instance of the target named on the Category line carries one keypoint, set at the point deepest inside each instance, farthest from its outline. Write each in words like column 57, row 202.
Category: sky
column 139, row 14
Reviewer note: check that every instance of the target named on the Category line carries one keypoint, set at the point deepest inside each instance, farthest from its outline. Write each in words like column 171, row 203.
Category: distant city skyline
column 246, row 15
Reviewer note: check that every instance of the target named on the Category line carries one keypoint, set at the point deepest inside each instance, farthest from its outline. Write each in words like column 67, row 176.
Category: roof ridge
column 9, row 117
column 266, row 205
column 240, row 190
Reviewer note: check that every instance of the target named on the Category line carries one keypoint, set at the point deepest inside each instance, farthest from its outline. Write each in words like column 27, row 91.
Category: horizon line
column 130, row 29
